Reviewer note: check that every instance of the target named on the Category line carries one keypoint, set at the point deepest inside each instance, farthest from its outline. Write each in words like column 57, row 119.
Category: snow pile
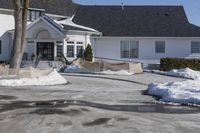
column 185, row 92
column 77, row 69
column 121, row 72
column 54, row 78
column 185, row 73
column 73, row 68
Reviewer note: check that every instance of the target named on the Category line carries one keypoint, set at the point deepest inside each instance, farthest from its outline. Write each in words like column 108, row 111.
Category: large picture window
column 70, row 50
column 160, row 47
column 195, row 47
column 129, row 49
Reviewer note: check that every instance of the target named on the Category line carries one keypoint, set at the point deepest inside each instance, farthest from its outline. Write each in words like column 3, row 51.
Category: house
column 129, row 33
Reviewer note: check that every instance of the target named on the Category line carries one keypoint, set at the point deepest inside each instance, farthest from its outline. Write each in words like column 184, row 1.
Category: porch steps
column 44, row 64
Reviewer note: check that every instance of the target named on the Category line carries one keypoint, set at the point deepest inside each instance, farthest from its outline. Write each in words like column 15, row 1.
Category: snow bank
column 186, row 73
column 54, row 78
column 185, row 92
column 121, row 72
column 77, row 69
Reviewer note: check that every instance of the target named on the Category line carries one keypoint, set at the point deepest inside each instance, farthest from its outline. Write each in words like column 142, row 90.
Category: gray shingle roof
column 143, row 21
column 57, row 7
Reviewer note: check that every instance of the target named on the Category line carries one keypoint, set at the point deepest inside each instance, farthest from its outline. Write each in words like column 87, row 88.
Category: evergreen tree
column 88, row 54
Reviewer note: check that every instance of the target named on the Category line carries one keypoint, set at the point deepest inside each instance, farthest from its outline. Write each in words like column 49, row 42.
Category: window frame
column 158, row 47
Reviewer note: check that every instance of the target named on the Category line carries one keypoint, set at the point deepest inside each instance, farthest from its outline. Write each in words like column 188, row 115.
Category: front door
column 45, row 50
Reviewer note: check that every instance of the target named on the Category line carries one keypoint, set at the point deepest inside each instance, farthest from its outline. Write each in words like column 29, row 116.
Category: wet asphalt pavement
column 94, row 103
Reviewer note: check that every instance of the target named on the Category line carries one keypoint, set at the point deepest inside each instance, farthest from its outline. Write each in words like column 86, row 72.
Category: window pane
column 160, row 47
column 195, row 47
column 70, row 42
column 59, row 50
column 33, row 15
column 70, row 51
column 79, row 43
column 124, row 49
column 79, row 50
column 133, row 49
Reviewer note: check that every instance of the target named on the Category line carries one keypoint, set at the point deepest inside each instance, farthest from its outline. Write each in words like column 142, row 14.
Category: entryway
column 46, row 50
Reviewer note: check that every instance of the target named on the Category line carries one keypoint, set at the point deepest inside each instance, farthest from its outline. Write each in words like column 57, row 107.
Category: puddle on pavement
column 49, row 107
column 6, row 97
column 98, row 121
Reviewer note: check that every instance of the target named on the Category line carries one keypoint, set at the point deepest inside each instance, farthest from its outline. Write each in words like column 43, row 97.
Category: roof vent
column 122, row 6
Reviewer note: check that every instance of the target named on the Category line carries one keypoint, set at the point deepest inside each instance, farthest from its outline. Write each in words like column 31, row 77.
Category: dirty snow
column 185, row 73
column 73, row 68
column 54, row 78
column 182, row 92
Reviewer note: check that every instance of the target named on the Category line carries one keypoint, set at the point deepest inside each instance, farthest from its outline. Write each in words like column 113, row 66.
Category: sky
column 192, row 7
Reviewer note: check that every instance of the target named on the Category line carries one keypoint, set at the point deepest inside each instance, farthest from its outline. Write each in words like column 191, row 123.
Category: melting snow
column 183, row 92
column 54, row 78
column 186, row 73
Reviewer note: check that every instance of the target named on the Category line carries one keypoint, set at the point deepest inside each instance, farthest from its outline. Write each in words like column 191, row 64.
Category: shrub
column 167, row 64
column 88, row 54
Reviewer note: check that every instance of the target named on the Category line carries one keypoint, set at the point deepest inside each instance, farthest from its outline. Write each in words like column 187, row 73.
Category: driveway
column 94, row 104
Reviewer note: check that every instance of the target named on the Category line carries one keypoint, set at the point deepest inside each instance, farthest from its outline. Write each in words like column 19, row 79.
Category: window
column 70, row 42
column 79, row 42
column 0, row 46
column 59, row 50
column 79, row 51
column 129, row 49
column 33, row 15
column 160, row 47
column 195, row 47
column 70, row 50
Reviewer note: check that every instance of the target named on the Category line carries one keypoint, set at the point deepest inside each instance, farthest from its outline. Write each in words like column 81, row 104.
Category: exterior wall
column 109, row 47
column 75, row 39
column 6, row 23
column 6, row 41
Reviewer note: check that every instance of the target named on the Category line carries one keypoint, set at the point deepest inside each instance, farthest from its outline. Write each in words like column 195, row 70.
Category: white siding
column 6, row 23
column 109, row 47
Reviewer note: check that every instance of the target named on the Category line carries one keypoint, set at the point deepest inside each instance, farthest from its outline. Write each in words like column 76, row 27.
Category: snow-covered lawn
column 182, row 92
column 53, row 78
column 185, row 73
column 77, row 69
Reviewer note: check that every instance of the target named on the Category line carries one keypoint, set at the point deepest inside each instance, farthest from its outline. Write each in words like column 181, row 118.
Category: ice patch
column 185, row 73
column 54, row 78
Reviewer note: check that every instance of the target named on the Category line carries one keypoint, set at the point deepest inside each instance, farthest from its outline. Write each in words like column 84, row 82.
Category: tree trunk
column 20, row 15
column 24, row 23
column 16, row 49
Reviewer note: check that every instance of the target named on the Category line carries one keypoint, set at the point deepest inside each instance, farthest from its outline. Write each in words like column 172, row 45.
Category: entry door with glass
column 46, row 50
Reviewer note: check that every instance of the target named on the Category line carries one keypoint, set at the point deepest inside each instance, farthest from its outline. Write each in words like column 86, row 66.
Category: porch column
column 55, row 50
